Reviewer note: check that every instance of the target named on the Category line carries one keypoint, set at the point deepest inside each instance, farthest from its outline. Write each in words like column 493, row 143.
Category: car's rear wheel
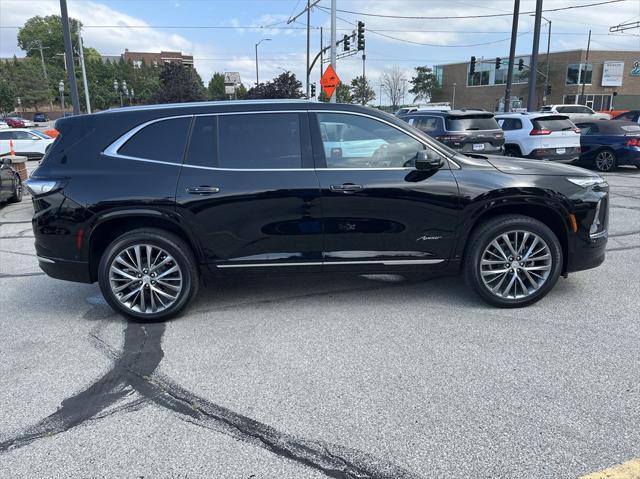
column 148, row 274
column 513, row 261
column 512, row 150
column 17, row 190
column 606, row 161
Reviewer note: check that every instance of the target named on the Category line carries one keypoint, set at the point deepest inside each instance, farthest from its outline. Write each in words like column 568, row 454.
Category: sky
column 221, row 34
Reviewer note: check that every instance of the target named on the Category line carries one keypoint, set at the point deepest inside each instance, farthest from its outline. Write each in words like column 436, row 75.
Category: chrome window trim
column 325, row 263
column 112, row 149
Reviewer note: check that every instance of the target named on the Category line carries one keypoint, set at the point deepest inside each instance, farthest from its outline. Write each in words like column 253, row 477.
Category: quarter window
column 259, row 141
column 163, row 140
column 352, row 141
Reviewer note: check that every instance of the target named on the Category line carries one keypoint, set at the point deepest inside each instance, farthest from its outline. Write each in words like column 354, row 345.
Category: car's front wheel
column 513, row 260
column 148, row 274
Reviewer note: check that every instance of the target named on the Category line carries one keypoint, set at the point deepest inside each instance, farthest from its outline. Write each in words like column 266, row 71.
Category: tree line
column 35, row 79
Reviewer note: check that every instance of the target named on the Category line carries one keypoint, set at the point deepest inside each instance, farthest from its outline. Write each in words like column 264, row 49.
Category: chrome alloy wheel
column 515, row 264
column 145, row 278
column 604, row 160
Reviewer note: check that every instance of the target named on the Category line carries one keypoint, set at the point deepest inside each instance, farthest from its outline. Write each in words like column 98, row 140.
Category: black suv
column 146, row 200
column 466, row 131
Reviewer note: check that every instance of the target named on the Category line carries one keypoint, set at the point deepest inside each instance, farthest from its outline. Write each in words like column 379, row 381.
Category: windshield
column 553, row 124
column 472, row 122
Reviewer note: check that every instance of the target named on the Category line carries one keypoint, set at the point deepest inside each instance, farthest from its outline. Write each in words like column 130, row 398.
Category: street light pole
column 263, row 40
column 84, row 70
column 453, row 98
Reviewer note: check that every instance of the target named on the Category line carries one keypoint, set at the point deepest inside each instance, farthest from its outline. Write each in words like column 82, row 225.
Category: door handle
column 346, row 188
column 202, row 190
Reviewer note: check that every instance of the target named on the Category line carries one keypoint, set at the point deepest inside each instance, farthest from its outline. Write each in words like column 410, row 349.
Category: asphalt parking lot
column 325, row 376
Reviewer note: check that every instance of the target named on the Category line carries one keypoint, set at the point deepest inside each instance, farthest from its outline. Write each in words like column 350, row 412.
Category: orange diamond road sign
column 329, row 81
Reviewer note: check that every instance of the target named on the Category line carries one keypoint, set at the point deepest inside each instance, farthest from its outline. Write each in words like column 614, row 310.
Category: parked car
column 14, row 122
column 607, row 145
column 466, row 131
column 10, row 183
column 540, row 136
column 576, row 112
column 17, row 116
column 631, row 115
column 157, row 196
column 30, row 143
column 40, row 118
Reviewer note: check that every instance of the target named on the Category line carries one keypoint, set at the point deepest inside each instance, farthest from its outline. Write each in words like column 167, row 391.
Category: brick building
column 156, row 59
column 612, row 80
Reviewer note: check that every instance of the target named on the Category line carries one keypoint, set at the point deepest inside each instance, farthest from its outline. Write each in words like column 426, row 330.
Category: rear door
column 380, row 213
column 250, row 193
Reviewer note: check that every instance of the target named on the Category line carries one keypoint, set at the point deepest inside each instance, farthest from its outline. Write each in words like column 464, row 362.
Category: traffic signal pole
column 512, row 55
column 308, row 41
column 531, row 102
column 333, row 43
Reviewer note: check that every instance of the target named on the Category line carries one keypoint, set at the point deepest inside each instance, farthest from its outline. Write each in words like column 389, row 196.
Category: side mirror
column 427, row 160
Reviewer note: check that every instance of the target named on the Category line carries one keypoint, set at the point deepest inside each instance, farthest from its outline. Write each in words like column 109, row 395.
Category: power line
column 491, row 15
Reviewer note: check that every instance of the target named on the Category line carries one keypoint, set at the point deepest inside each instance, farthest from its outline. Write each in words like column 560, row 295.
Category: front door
column 380, row 213
column 249, row 190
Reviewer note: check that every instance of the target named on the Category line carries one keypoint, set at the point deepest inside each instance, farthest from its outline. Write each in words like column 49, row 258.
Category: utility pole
column 546, row 78
column 263, row 40
column 512, row 55
column 333, row 43
column 71, row 75
column 84, row 71
column 308, row 43
column 584, row 73
column 321, row 52
column 533, row 72
column 44, row 65
column 453, row 98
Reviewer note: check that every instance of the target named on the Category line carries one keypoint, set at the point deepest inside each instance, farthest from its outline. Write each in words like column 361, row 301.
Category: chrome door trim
column 325, row 263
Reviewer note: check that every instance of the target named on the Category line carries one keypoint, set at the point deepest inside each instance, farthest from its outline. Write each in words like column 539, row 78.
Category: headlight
column 587, row 181
column 41, row 187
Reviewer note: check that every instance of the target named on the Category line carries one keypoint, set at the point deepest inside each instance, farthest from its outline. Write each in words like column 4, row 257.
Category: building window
column 438, row 72
column 137, row 63
column 478, row 78
column 579, row 72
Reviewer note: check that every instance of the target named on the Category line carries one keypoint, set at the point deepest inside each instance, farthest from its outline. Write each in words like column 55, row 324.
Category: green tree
column 215, row 90
column 284, row 85
column 47, row 32
column 27, row 82
column 7, row 97
column 424, row 84
column 241, row 92
column 179, row 84
column 361, row 90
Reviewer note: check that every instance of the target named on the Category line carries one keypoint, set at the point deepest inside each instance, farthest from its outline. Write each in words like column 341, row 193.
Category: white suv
column 541, row 136
column 576, row 112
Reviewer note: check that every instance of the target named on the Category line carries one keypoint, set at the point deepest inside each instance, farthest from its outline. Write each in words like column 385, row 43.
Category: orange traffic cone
column 11, row 150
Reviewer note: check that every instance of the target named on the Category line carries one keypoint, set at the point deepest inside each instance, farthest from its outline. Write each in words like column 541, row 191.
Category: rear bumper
column 77, row 271
column 628, row 156
column 548, row 156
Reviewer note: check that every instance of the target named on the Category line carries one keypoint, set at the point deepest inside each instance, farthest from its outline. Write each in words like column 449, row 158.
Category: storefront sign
column 612, row 73
column 635, row 71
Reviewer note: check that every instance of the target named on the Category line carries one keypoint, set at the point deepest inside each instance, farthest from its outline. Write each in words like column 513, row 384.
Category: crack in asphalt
column 134, row 371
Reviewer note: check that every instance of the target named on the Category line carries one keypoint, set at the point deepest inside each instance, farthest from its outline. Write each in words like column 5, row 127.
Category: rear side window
column 426, row 123
column 471, row 122
column 163, row 140
column 511, row 124
column 553, row 124
column 259, row 141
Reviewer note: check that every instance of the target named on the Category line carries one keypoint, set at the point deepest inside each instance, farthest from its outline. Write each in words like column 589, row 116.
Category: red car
column 14, row 122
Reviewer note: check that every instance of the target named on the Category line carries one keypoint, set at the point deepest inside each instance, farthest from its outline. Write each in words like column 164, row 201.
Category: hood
column 517, row 166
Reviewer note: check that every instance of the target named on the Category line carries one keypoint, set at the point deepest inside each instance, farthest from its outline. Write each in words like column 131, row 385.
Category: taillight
column 542, row 131
column 632, row 142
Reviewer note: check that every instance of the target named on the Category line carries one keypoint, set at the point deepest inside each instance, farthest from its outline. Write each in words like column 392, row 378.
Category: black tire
column 513, row 151
column 606, row 160
column 180, row 252
column 17, row 190
column 482, row 237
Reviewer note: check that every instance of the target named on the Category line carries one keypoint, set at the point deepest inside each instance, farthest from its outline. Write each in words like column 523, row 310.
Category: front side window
column 259, row 141
column 353, row 141
column 22, row 135
column 164, row 140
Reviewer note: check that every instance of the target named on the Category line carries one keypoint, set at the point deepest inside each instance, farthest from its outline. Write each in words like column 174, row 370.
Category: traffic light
column 313, row 90
column 521, row 64
column 345, row 43
column 498, row 63
column 360, row 35
column 548, row 90
column 472, row 66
